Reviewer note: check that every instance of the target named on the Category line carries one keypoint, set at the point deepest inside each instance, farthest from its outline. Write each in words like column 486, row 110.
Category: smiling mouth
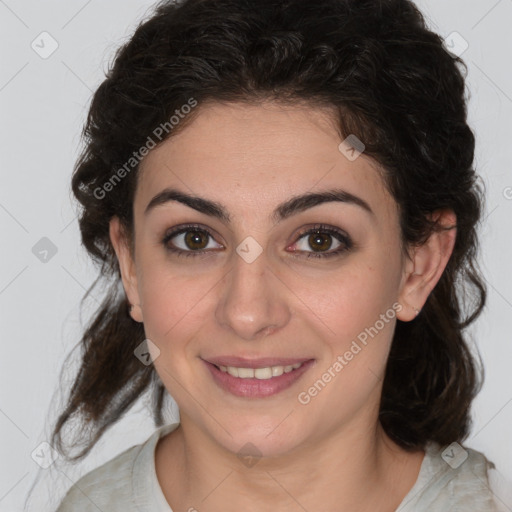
column 265, row 373
column 256, row 378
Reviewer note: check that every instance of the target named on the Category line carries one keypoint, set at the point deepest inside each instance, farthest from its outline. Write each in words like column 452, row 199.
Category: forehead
column 245, row 154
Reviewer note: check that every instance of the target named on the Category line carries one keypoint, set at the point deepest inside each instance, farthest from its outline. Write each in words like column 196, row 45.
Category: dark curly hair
column 391, row 83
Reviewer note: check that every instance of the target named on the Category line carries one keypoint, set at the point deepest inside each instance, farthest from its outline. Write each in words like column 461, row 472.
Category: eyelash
column 347, row 243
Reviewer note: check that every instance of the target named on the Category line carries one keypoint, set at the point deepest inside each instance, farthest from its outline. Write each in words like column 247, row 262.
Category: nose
column 254, row 300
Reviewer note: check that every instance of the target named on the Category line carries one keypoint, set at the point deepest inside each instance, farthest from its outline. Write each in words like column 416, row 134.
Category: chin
column 270, row 437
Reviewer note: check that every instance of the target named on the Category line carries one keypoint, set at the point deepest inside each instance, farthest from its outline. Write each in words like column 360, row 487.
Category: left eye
column 320, row 238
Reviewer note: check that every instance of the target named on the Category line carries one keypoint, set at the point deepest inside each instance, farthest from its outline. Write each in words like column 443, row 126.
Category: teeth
column 259, row 373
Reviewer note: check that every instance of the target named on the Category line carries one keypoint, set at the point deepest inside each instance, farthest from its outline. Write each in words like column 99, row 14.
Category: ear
column 126, row 266
column 426, row 265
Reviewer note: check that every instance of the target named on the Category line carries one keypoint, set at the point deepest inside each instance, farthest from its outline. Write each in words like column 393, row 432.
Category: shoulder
column 468, row 484
column 107, row 487
column 454, row 478
column 120, row 483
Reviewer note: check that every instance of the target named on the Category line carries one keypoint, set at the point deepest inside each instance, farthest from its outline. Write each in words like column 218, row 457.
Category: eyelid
column 322, row 228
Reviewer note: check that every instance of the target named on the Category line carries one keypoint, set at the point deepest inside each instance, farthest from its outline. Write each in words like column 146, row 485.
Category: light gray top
column 128, row 482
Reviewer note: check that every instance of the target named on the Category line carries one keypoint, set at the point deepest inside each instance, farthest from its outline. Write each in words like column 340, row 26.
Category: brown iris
column 320, row 241
column 194, row 237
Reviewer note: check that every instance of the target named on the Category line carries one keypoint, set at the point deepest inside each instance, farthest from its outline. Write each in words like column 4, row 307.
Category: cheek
column 174, row 305
column 356, row 298
column 358, row 310
column 349, row 374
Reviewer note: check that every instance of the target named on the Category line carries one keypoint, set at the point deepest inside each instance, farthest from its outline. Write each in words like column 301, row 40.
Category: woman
column 284, row 198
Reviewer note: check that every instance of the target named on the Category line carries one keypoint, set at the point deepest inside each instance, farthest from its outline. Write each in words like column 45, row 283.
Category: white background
column 43, row 106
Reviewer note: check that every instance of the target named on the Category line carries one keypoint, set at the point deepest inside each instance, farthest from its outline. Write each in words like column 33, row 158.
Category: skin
column 331, row 454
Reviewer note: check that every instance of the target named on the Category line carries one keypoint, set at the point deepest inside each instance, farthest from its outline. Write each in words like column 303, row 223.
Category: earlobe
column 427, row 265
column 136, row 312
column 126, row 267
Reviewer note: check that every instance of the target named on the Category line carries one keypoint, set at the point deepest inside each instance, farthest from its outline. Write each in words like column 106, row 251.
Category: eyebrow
column 283, row 211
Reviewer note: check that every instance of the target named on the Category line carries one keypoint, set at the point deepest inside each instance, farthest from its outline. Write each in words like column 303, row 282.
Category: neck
column 352, row 469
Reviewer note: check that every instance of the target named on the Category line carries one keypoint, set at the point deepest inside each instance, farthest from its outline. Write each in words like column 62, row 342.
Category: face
column 305, row 290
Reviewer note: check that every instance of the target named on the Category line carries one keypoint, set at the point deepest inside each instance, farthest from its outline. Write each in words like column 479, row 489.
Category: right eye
column 191, row 240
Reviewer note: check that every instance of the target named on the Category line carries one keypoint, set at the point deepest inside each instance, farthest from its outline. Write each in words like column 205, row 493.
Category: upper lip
column 242, row 362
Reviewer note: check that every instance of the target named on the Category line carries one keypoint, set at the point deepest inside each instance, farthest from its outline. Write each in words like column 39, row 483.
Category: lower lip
column 257, row 388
